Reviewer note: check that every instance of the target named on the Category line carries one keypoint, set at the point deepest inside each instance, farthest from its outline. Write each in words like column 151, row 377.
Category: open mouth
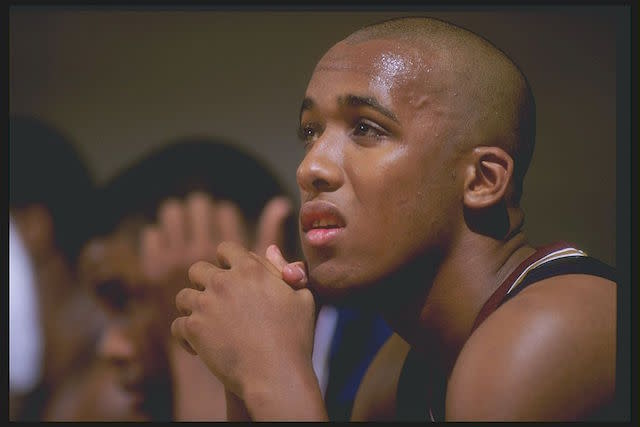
column 321, row 222
column 324, row 223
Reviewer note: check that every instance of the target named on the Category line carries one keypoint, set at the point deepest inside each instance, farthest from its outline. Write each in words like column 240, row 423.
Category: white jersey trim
column 561, row 253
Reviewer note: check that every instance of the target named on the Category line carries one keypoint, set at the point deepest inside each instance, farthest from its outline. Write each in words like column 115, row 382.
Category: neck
column 442, row 316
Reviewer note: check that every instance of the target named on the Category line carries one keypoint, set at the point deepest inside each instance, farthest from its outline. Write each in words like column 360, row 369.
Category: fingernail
column 296, row 273
column 269, row 249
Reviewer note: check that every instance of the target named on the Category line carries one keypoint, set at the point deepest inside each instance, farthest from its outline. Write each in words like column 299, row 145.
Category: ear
column 487, row 177
column 36, row 228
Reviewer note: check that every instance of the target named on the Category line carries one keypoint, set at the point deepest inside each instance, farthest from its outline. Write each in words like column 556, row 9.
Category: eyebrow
column 371, row 102
column 353, row 101
column 307, row 104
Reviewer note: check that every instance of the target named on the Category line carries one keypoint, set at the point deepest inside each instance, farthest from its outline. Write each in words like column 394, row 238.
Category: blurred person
column 418, row 135
column 161, row 214
column 50, row 189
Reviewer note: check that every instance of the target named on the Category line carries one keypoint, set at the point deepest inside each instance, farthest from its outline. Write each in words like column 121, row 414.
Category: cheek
column 406, row 198
column 379, row 174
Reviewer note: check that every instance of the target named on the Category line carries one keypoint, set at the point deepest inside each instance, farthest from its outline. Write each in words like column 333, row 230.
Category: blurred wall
column 121, row 82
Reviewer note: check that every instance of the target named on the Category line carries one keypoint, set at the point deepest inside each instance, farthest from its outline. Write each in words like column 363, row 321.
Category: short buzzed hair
column 435, row 33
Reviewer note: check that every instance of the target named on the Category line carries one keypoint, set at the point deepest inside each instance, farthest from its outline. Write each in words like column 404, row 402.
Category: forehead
column 389, row 70
column 384, row 56
column 110, row 258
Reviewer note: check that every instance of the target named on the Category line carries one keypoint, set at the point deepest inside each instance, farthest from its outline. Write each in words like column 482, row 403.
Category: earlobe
column 36, row 227
column 487, row 177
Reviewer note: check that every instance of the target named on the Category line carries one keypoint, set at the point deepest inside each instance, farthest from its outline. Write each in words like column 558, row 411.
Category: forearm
column 295, row 397
column 236, row 410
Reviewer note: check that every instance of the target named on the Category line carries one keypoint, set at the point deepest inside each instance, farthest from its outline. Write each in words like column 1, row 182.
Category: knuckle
column 175, row 328
column 180, row 298
column 307, row 298
column 224, row 247
column 196, row 272
column 192, row 327
column 201, row 301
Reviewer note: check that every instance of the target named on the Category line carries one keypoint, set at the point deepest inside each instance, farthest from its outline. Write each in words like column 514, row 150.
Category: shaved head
column 491, row 95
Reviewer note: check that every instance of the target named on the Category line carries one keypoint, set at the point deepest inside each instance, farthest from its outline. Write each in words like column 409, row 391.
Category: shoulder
column 375, row 399
column 547, row 354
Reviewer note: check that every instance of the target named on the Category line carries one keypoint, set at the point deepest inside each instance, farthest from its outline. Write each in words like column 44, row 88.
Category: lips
column 321, row 222
column 320, row 215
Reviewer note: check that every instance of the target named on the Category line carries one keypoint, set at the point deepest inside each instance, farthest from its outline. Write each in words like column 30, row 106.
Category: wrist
column 294, row 395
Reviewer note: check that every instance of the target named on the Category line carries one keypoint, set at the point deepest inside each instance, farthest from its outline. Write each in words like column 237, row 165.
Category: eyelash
column 368, row 126
column 304, row 133
column 361, row 128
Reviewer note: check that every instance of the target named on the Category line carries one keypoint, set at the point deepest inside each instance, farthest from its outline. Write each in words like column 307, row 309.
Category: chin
column 341, row 289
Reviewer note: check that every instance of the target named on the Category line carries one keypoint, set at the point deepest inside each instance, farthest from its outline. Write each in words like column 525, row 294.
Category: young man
column 418, row 135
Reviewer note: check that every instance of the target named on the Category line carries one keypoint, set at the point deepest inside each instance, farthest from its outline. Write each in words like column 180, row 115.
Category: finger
column 270, row 229
column 178, row 331
column 231, row 225
column 152, row 252
column 274, row 255
column 230, row 253
column 295, row 274
column 172, row 222
column 186, row 300
column 199, row 212
column 201, row 274
column 268, row 265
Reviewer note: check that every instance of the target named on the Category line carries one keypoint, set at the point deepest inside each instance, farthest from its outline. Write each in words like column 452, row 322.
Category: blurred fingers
column 270, row 229
column 230, row 222
column 200, row 212
column 153, row 252
column 171, row 218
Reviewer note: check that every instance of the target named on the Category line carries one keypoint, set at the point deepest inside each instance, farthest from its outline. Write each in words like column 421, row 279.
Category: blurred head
column 132, row 345
column 50, row 193
column 140, row 310
column 49, row 188
column 411, row 127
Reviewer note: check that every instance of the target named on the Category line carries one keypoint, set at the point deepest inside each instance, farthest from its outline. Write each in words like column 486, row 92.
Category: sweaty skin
column 411, row 151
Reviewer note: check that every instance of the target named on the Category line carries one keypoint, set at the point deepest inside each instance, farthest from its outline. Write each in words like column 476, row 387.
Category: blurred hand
column 190, row 231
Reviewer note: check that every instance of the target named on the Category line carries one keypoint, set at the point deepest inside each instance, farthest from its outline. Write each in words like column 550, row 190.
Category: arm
column 548, row 354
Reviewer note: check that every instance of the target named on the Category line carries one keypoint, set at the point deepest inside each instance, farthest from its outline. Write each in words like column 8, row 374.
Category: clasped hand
column 248, row 317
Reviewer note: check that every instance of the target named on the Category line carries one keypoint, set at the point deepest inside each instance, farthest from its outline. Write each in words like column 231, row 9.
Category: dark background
column 121, row 82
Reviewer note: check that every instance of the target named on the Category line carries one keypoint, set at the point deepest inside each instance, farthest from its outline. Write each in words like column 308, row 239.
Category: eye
column 112, row 293
column 308, row 132
column 368, row 129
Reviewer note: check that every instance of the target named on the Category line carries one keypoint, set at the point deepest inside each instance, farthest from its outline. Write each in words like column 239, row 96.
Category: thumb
column 294, row 273
column 270, row 229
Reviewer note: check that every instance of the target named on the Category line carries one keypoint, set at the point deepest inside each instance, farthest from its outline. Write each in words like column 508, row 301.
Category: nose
column 321, row 168
column 115, row 345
